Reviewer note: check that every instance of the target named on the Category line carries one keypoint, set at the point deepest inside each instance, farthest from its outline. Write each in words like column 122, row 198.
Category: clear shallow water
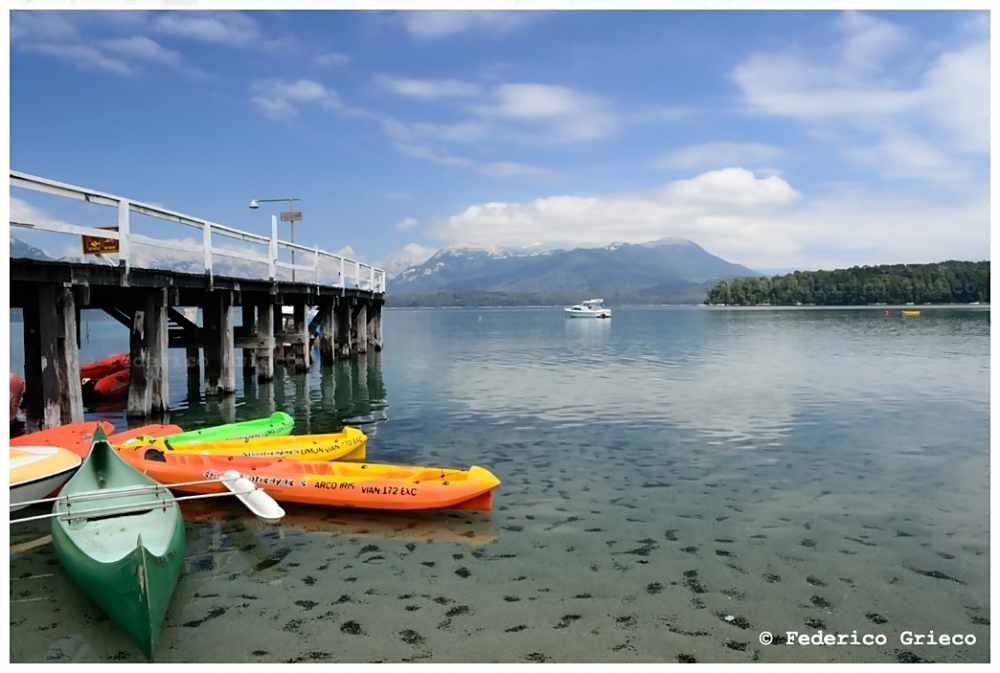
column 675, row 481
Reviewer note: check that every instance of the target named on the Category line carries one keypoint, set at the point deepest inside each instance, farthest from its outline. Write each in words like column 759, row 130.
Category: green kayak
column 278, row 424
column 120, row 537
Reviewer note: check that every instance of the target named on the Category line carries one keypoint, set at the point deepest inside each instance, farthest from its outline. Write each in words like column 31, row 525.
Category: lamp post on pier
column 291, row 216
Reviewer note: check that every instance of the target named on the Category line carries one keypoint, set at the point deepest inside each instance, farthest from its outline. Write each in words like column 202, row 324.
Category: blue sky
column 775, row 139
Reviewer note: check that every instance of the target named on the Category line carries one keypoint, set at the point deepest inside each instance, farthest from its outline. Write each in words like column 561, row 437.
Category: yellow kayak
column 349, row 444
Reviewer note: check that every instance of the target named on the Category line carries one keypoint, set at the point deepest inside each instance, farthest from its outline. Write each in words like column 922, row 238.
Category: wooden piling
column 44, row 329
column 265, row 342
column 300, row 338
column 343, row 335
column 375, row 326
column 249, row 322
column 327, row 334
column 148, row 344
column 220, row 370
column 361, row 330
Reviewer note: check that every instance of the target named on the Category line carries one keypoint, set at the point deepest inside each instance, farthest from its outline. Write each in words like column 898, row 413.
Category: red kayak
column 113, row 386
column 16, row 392
column 106, row 367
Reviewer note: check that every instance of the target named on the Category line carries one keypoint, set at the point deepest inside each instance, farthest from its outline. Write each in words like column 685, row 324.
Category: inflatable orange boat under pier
column 331, row 484
column 106, row 367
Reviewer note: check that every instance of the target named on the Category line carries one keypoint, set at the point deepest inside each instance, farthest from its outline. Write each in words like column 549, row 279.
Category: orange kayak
column 77, row 437
column 105, row 367
column 330, row 484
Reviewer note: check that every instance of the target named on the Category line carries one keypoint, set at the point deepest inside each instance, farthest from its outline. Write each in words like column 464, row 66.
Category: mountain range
column 665, row 270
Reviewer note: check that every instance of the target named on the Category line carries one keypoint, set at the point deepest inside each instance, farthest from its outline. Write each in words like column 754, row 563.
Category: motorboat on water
column 592, row 308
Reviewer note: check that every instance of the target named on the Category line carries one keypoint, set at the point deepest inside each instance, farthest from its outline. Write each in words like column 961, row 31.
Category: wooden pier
column 274, row 328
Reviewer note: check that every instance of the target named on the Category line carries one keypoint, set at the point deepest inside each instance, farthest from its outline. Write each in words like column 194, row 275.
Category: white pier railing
column 245, row 254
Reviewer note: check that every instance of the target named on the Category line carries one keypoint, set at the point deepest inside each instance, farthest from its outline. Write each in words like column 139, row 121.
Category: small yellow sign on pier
column 98, row 245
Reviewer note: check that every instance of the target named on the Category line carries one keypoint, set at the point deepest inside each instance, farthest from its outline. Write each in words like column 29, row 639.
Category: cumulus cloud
column 227, row 28
column 407, row 224
column 82, row 57
column 506, row 169
column 857, row 100
column 438, row 24
column 427, row 89
column 745, row 218
column 331, row 59
column 280, row 99
column 716, row 154
column 561, row 113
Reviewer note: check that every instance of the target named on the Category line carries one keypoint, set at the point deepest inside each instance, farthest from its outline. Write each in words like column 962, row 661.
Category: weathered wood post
column 148, row 346
column 53, row 394
column 265, row 342
column 361, row 327
column 375, row 326
column 344, row 310
column 327, row 334
column 220, row 369
column 249, row 322
column 300, row 338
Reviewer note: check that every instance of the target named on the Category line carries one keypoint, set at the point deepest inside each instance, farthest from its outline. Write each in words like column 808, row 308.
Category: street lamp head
column 253, row 204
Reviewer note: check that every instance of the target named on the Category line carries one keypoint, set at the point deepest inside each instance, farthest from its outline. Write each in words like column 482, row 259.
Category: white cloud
column 22, row 211
column 854, row 99
column 331, row 59
column 718, row 154
column 505, row 169
column 83, row 57
column 867, row 39
column 563, row 113
column 744, row 218
column 957, row 95
column 278, row 99
column 427, row 89
column 41, row 25
column 902, row 155
column 407, row 224
column 437, row 24
column 436, row 156
column 227, row 28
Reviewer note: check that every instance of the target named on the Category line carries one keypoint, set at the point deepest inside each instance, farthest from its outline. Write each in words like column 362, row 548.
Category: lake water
column 676, row 481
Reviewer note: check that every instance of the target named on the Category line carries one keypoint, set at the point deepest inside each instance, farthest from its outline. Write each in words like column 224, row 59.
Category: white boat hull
column 38, row 471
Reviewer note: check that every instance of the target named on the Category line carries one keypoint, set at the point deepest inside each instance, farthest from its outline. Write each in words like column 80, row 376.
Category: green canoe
column 120, row 537
column 278, row 424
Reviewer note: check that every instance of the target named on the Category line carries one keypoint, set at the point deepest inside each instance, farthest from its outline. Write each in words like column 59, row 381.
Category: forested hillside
column 945, row 283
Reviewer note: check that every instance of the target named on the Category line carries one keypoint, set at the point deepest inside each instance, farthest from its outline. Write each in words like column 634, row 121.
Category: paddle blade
column 256, row 500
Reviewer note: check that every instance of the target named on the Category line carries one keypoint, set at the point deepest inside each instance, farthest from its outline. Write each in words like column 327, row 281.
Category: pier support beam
column 327, row 335
column 249, row 316
column 300, row 340
column 148, row 344
column 375, row 327
column 343, row 311
column 53, row 393
column 361, row 330
column 265, row 342
column 220, row 369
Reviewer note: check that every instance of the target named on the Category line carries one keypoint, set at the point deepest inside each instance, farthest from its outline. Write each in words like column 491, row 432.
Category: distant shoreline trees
column 950, row 282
